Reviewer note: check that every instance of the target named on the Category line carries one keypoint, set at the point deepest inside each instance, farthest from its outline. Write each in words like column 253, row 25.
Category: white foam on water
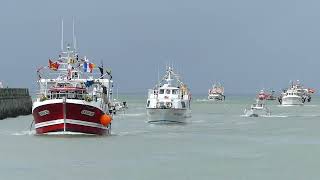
column 127, row 133
column 133, row 114
column 24, row 133
column 267, row 116
column 202, row 100
column 277, row 116
column 290, row 105
column 311, row 105
column 198, row 121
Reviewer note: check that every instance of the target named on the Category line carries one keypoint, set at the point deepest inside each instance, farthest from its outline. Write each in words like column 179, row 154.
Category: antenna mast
column 62, row 35
column 74, row 36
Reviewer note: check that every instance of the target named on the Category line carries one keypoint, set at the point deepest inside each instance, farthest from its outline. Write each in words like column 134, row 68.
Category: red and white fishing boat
column 73, row 98
column 262, row 95
column 216, row 93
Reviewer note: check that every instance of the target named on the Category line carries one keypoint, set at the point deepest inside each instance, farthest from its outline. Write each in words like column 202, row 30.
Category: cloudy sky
column 245, row 44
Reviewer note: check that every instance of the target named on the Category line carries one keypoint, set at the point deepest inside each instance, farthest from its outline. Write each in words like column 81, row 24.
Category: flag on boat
column 101, row 71
column 89, row 83
column 88, row 67
column 108, row 71
column 53, row 65
column 71, row 60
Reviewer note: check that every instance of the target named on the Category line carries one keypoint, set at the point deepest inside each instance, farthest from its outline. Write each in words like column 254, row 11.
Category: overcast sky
column 245, row 44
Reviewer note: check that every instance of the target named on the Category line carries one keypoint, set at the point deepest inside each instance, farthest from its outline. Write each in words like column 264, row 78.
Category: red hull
column 69, row 117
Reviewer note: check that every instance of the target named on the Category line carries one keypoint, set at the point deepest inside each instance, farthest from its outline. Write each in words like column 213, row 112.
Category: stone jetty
column 14, row 102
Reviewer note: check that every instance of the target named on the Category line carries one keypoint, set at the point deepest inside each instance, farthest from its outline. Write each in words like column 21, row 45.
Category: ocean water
column 218, row 142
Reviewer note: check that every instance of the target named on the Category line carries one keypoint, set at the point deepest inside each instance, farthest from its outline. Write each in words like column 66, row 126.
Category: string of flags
column 88, row 67
column 53, row 65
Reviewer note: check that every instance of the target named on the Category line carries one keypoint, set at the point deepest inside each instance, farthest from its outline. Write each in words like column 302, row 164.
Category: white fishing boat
column 216, row 93
column 295, row 94
column 258, row 109
column 118, row 106
column 169, row 101
column 292, row 97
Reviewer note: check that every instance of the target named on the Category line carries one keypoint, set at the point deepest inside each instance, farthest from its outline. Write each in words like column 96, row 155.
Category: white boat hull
column 157, row 115
column 292, row 100
column 216, row 97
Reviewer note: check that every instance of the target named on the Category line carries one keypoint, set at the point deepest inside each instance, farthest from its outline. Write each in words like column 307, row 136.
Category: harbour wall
column 14, row 102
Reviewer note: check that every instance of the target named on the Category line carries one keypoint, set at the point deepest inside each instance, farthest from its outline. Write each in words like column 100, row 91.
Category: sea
column 217, row 143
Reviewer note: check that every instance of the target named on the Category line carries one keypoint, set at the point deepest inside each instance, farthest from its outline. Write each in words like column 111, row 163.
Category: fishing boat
column 169, row 101
column 257, row 109
column 262, row 95
column 296, row 94
column 216, row 93
column 72, row 97
column 118, row 106
column 271, row 96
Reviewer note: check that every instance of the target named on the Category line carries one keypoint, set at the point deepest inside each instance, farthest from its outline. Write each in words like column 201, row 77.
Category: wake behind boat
column 73, row 98
column 169, row 101
column 258, row 108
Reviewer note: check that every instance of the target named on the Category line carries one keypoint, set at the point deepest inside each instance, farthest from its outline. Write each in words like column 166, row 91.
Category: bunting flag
column 108, row 71
column 38, row 71
column 91, row 66
column 53, row 65
column 89, row 83
column 88, row 67
column 71, row 60
column 101, row 71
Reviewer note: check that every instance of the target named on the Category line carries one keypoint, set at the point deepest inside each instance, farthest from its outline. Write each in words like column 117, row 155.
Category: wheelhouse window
column 167, row 91
column 161, row 91
column 175, row 91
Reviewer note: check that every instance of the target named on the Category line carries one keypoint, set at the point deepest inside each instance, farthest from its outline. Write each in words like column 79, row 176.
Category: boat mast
column 169, row 79
column 74, row 36
column 62, row 35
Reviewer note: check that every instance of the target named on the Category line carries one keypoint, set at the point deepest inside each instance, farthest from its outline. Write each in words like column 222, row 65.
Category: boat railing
column 68, row 95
